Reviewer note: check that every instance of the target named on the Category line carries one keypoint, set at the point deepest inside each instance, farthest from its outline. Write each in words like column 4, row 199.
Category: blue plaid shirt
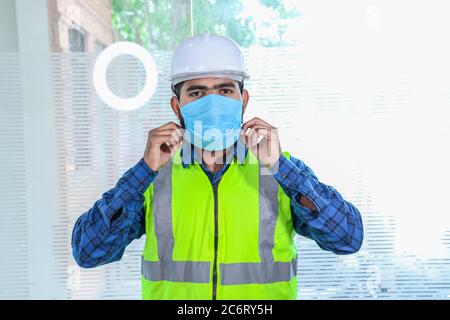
column 101, row 234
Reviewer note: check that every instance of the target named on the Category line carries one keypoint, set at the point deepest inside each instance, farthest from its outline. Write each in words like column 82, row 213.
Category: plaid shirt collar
column 189, row 156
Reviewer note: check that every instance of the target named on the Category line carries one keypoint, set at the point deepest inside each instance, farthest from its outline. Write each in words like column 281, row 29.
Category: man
column 218, row 200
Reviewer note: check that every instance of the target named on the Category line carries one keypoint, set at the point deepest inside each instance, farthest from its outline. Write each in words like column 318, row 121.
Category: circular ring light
column 101, row 66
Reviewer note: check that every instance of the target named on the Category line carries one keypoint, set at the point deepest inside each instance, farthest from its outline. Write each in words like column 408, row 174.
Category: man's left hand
column 262, row 139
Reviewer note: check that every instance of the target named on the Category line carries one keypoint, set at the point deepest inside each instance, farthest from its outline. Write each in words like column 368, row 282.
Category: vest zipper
column 216, row 240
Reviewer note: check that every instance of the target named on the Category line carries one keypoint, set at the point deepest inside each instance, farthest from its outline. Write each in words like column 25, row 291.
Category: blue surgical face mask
column 212, row 122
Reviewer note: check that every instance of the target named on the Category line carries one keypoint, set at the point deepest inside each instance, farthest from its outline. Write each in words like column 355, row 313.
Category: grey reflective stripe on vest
column 166, row 268
column 162, row 212
column 268, row 214
column 258, row 272
column 267, row 270
column 177, row 271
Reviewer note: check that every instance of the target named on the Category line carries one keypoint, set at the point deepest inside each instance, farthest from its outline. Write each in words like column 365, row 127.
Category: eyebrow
column 217, row 86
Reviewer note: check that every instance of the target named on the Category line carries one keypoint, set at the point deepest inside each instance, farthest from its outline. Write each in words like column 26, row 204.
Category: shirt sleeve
column 336, row 225
column 101, row 234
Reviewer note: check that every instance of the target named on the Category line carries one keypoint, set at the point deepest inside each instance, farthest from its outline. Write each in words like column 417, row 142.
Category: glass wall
column 359, row 90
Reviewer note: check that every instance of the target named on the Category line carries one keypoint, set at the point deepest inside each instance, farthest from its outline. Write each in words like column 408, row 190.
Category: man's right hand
column 162, row 143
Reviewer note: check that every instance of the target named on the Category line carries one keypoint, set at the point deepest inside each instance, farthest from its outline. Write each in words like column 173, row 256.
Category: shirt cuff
column 302, row 212
column 137, row 179
column 296, row 181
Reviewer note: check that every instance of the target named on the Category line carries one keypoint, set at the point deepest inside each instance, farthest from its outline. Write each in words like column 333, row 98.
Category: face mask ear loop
column 242, row 114
column 181, row 117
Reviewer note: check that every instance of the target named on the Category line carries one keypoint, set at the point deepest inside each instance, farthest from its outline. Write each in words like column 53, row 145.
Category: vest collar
column 189, row 156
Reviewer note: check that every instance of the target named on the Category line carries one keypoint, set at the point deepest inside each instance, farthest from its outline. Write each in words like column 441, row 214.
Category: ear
column 245, row 98
column 175, row 106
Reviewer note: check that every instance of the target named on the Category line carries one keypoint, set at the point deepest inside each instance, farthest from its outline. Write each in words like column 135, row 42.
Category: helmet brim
column 238, row 76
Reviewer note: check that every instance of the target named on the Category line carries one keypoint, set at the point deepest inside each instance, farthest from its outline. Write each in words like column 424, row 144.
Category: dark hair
column 176, row 88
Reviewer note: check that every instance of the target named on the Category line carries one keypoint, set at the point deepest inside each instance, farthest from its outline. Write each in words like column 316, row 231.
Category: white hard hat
column 207, row 55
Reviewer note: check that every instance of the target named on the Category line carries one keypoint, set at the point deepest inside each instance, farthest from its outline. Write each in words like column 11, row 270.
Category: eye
column 194, row 94
column 226, row 91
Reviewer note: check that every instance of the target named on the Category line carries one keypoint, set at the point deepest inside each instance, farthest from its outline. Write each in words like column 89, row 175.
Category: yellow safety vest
column 233, row 241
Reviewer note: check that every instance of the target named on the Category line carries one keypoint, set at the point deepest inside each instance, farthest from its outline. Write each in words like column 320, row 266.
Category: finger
column 172, row 144
column 158, row 140
column 172, row 141
column 243, row 136
column 264, row 136
column 170, row 124
column 256, row 144
column 177, row 133
column 257, row 127
column 264, row 132
column 175, row 148
column 164, row 131
column 250, row 123
column 267, row 141
column 252, row 137
column 267, row 133
column 254, row 121
column 256, row 135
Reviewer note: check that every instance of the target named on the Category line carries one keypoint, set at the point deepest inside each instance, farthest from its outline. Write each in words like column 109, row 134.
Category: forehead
column 208, row 82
